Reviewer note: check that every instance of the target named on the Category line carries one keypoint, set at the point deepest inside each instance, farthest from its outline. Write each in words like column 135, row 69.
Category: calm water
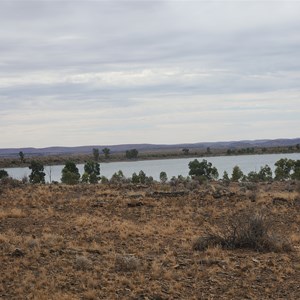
column 173, row 167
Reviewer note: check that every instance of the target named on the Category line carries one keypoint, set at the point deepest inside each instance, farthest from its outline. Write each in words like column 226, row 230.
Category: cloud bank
column 111, row 72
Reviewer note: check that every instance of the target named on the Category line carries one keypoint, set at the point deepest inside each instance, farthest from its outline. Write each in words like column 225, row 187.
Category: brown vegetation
column 140, row 242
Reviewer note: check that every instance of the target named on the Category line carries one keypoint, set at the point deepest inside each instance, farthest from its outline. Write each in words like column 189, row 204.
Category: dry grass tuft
column 83, row 263
column 127, row 263
column 247, row 230
column 12, row 213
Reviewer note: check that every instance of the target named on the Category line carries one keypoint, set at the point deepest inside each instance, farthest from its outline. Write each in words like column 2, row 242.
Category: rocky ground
column 138, row 242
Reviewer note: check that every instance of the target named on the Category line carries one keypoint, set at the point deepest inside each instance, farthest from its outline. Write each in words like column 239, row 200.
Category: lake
column 173, row 167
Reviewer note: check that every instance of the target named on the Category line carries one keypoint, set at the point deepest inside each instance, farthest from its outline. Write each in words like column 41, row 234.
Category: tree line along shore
column 23, row 159
column 199, row 172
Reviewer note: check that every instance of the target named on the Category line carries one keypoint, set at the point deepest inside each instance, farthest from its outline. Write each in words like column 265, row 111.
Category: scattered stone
column 98, row 203
column 136, row 196
column 280, row 201
column 168, row 194
column 135, row 204
column 18, row 253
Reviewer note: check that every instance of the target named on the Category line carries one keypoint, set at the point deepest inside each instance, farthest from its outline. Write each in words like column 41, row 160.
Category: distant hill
column 10, row 152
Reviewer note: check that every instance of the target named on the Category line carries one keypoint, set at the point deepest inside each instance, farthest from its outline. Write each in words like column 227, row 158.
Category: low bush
column 126, row 263
column 247, row 230
column 10, row 182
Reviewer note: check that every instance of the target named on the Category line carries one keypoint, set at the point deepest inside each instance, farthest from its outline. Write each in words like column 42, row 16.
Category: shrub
column 163, row 177
column 104, row 180
column 70, row 173
column 3, row 174
column 126, row 263
column 203, row 169
column 118, row 177
column 10, row 182
column 83, row 263
column 91, row 172
column 237, row 174
column 37, row 172
column 249, row 230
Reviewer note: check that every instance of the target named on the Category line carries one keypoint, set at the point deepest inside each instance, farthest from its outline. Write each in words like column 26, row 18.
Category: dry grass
column 86, row 242
column 246, row 230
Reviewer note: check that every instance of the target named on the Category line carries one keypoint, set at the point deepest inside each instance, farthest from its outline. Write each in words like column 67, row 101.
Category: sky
column 119, row 72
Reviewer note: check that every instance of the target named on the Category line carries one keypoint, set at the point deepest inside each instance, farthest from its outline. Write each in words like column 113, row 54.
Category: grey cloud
column 92, row 54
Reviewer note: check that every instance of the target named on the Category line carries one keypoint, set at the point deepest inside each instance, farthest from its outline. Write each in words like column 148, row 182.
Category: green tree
column 208, row 150
column 296, row 169
column 265, row 173
column 237, row 174
column 118, row 177
column 253, row 176
column 131, row 154
column 106, row 152
column 104, row 180
column 135, row 178
column 225, row 177
column 163, row 177
column 283, row 169
column 22, row 156
column 70, row 173
column 96, row 154
column 91, row 172
column 3, row 174
column 142, row 177
column 37, row 172
column 185, row 151
column 203, row 169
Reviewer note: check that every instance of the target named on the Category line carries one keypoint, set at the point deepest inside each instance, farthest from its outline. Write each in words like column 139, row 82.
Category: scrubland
column 149, row 242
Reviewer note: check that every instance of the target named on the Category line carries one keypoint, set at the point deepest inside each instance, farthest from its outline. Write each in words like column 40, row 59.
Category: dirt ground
column 136, row 242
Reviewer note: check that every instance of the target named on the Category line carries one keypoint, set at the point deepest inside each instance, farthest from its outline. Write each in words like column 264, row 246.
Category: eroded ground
column 108, row 242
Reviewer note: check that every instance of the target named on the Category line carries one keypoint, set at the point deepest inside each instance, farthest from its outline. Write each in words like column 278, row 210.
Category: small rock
column 135, row 204
column 18, row 253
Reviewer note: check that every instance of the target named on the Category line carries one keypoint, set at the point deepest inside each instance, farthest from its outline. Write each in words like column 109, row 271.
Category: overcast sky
column 114, row 72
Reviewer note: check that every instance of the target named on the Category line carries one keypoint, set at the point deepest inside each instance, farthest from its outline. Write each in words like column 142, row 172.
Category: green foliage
column 104, row 180
column 37, row 172
column 91, row 172
column 96, row 154
column 106, row 152
column 253, row 177
column 237, row 174
column 141, row 178
column 283, row 169
column 296, row 169
column 185, row 151
column 135, row 178
column 131, row 154
column 265, row 173
column 70, row 173
column 22, row 156
column 163, row 177
column 3, row 174
column 118, row 177
column 203, row 169
column 225, row 177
